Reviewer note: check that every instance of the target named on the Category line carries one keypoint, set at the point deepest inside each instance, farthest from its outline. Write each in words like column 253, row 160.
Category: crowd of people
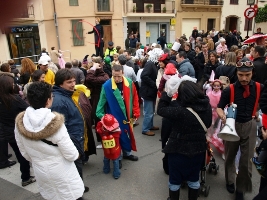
column 51, row 109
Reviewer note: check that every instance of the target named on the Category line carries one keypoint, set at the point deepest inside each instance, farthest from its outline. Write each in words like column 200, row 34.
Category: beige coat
column 54, row 56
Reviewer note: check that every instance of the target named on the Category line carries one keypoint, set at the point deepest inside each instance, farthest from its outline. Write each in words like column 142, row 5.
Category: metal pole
column 248, row 24
column 56, row 24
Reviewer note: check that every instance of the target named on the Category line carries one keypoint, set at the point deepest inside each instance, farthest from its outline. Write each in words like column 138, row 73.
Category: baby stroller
column 210, row 165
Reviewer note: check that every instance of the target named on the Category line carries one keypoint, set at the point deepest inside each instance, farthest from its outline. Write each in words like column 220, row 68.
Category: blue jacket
column 186, row 68
column 63, row 103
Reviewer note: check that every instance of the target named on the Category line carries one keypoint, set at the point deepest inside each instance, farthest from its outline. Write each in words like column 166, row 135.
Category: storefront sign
column 24, row 29
column 147, row 33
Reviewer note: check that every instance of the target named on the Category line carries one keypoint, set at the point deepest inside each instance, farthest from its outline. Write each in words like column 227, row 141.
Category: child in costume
column 61, row 60
column 214, row 96
column 109, row 130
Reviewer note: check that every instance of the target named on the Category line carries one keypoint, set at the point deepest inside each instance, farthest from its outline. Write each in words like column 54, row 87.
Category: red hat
column 163, row 57
column 109, row 122
column 170, row 69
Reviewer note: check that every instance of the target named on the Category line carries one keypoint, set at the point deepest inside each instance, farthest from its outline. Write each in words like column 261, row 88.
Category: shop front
column 24, row 41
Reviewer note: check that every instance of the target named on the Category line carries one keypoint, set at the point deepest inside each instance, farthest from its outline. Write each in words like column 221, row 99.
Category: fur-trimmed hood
column 7, row 73
column 38, row 124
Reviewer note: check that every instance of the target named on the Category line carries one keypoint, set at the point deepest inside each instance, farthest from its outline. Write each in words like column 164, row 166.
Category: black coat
column 260, row 73
column 208, row 69
column 162, row 41
column 99, row 31
column 148, row 89
column 226, row 70
column 7, row 118
column 187, row 136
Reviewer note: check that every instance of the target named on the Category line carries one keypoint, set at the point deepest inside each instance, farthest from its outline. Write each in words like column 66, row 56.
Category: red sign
column 250, row 13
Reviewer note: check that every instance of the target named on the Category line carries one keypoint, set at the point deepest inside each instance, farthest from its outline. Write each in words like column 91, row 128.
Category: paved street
column 141, row 180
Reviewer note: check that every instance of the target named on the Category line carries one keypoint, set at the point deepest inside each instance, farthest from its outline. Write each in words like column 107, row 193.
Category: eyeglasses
column 246, row 63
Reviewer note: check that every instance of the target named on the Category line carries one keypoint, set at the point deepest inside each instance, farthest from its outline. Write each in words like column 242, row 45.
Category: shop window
column 234, row 2
column 248, row 25
column 103, row 5
column 77, row 32
column 73, row 3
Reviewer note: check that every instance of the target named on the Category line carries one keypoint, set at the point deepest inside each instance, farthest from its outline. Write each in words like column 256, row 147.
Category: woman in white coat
column 44, row 141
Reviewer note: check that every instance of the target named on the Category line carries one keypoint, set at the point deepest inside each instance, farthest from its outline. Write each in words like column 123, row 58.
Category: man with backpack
column 245, row 94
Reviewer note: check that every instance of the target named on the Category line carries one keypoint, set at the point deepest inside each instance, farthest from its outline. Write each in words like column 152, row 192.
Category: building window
column 73, row 2
column 248, row 25
column 103, row 5
column 77, row 32
column 235, row 2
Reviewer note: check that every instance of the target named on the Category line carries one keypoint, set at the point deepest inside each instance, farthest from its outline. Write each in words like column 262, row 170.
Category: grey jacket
column 129, row 73
column 79, row 75
column 186, row 68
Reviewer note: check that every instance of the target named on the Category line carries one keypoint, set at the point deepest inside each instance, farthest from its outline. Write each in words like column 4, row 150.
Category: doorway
column 106, row 23
column 231, row 23
column 211, row 24
column 154, row 31
column 25, row 47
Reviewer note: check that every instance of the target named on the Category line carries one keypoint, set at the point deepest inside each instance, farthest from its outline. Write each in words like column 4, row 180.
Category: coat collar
column 114, row 85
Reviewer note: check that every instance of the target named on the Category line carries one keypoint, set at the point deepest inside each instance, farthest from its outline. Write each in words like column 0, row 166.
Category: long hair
column 27, row 66
column 189, row 93
column 7, row 90
column 230, row 58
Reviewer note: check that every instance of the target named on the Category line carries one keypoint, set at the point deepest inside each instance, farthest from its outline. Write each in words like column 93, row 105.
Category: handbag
column 198, row 118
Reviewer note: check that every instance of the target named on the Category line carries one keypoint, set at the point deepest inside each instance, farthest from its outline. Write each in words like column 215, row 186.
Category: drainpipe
column 56, row 24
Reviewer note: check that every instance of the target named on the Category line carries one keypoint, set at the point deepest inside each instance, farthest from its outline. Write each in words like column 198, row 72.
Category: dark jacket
column 226, row 70
column 187, row 136
column 133, row 42
column 63, row 103
column 107, row 69
column 260, row 73
column 208, row 69
column 190, row 55
column 148, row 89
column 7, row 118
column 99, row 30
column 162, row 41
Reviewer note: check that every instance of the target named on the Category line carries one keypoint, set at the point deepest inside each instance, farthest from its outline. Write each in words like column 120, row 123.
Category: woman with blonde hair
column 27, row 68
column 228, row 69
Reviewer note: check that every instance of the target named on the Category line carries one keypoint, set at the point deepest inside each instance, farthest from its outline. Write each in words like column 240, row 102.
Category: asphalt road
column 141, row 180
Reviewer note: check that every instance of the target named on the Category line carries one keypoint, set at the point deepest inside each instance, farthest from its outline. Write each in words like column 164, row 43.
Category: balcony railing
column 203, row 2
column 27, row 12
column 151, row 11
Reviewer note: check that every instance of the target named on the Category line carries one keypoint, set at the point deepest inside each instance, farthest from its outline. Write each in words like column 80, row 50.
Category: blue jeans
column 149, row 109
column 116, row 170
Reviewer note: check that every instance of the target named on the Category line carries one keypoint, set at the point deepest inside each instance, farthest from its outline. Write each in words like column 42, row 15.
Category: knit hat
column 170, row 69
column 85, row 59
column 109, row 122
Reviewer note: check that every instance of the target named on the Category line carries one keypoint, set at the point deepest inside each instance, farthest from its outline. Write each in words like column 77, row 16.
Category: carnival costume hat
column 109, row 122
column 44, row 60
column 154, row 54
column 85, row 59
column 176, row 46
column 244, row 65
column 163, row 57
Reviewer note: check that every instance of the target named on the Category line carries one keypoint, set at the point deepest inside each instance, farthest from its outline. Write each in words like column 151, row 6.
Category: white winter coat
column 55, row 172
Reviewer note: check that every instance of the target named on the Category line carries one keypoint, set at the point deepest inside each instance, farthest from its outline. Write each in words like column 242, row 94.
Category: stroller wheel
column 206, row 190
column 210, row 168
column 216, row 169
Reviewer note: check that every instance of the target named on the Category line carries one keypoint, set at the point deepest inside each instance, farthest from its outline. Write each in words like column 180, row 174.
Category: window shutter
column 79, row 31
column 73, row 3
column 235, row 2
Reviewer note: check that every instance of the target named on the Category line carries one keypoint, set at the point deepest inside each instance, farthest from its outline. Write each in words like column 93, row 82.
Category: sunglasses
column 247, row 63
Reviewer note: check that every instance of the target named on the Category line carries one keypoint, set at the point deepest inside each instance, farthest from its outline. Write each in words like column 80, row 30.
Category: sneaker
column 28, row 182
column 148, row 133
column 260, row 167
column 99, row 146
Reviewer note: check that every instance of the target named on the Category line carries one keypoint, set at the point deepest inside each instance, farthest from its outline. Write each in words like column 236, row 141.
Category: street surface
column 141, row 180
